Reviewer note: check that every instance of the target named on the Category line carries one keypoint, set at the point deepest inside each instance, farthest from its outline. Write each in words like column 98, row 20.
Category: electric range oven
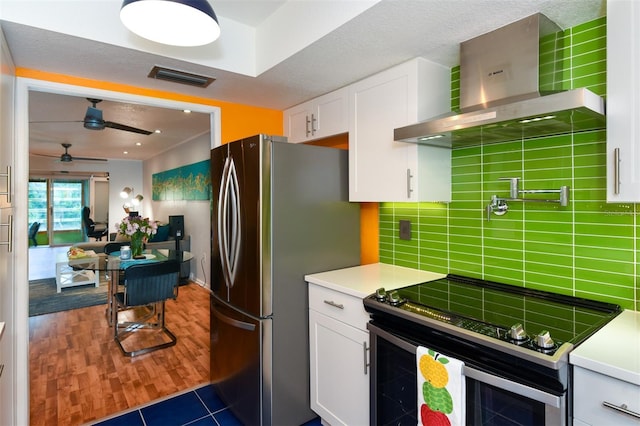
column 514, row 343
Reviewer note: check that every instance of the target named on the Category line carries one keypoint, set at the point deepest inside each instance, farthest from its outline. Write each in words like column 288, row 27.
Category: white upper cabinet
column 318, row 118
column 381, row 169
column 623, row 101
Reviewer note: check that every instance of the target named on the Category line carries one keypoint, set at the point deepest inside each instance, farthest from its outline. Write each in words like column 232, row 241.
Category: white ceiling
column 377, row 35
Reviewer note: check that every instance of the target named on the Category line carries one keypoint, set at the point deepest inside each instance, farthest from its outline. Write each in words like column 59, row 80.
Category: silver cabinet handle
column 409, row 190
column 334, row 304
column 8, row 176
column 313, row 124
column 616, row 171
column 9, row 242
column 621, row 408
column 307, row 125
column 365, row 349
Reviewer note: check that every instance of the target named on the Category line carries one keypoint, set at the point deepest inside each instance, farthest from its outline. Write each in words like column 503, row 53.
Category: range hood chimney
column 511, row 88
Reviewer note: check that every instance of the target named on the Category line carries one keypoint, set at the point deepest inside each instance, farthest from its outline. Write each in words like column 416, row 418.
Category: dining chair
column 146, row 288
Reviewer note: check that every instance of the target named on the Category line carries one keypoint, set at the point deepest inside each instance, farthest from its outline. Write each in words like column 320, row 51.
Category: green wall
column 587, row 249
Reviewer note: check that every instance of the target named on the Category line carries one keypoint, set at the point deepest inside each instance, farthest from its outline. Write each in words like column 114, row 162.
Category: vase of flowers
column 138, row 229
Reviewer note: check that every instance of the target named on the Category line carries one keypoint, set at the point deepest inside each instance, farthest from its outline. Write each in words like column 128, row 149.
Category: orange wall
column 237, row 121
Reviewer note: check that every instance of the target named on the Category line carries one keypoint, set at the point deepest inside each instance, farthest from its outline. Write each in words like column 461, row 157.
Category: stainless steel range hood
column 511, row 88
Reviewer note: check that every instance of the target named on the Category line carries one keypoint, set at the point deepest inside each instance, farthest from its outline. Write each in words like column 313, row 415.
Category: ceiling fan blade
column 89, row 159
column 124, row 127
column 55, row 121
column 45, row 155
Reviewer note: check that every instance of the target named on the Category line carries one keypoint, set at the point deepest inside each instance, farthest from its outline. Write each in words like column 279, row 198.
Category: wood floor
column 78, row 374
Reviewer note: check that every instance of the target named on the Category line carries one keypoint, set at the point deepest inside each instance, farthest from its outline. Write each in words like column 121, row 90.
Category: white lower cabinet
column 339, row 357
column 602, row 400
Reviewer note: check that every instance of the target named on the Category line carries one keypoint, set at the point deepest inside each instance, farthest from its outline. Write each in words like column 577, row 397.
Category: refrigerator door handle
column 233, row 322
column 234, row 216
column 222, row 222
column 229, row 222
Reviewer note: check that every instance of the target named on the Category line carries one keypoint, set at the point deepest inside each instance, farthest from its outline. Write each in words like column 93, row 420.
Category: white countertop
column 361, row 281
column 614, row 350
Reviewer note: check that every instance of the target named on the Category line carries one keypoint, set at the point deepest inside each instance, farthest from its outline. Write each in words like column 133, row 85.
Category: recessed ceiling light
column 157, row 131
column 138, row 143
column 186, row 111
column 125, row 152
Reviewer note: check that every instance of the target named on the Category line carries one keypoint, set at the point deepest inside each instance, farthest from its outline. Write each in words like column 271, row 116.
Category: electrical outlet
column 405, row 230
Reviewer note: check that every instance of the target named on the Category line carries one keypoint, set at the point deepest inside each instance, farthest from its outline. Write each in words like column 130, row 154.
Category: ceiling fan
column 67, row 158
column 93, row 120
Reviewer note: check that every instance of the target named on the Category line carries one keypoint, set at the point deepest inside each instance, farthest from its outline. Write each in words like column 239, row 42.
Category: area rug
column 43, row 298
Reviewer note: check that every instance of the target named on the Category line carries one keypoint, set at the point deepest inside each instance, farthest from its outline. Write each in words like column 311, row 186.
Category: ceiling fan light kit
column 181, row 23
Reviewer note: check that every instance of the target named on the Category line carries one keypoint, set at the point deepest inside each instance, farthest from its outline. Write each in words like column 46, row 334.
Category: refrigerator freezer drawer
column 236, row 371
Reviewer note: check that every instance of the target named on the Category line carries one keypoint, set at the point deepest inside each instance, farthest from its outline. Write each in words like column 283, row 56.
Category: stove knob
column 544, row 340
column 517, row 332
column 381, row 295
column 394, row 298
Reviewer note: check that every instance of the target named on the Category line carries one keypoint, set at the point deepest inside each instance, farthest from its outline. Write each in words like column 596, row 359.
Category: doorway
column 23, row 86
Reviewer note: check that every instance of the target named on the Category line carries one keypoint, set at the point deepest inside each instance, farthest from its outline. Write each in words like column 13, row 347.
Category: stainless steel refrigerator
column 279, row 211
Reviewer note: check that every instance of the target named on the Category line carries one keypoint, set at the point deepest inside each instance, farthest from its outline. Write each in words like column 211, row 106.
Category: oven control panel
column 514, row 334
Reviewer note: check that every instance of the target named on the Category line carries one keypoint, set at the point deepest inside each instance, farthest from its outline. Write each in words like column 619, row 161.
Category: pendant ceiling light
column 172, row 22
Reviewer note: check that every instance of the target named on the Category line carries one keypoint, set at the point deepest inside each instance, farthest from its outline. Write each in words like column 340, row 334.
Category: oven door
column 490, row 399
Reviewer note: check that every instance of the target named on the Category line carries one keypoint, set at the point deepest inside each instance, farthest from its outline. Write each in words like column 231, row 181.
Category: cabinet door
column 381, row 169
column 593, row 392
column 331, row 114
column 623, row 101
column 319, row 118
column 339, row 371
column 297, row 123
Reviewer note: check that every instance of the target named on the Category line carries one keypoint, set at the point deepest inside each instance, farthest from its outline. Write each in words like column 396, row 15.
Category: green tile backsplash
column 587, row 249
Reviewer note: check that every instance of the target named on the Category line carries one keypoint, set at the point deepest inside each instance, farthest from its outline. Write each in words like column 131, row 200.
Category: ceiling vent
column 175, row 76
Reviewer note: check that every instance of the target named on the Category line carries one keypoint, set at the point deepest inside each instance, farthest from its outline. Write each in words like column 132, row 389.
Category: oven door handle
column 480, row 376
column 513, row 387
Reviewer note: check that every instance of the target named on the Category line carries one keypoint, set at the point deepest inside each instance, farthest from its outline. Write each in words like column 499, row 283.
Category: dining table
column 112, row 265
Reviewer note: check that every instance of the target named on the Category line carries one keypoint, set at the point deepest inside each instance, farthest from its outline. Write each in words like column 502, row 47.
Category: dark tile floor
column 198, row 408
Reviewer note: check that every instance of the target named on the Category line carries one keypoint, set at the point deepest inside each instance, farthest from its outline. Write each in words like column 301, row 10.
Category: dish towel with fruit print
column 441, row 390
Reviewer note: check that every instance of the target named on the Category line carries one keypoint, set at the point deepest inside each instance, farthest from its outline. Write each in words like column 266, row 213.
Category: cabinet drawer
column 591, row 390
column 343, row 307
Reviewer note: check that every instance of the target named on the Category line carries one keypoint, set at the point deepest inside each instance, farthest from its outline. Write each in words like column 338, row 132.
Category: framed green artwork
column 190, row 182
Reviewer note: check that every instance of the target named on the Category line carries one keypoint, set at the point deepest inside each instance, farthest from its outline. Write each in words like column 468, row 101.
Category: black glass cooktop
column 533, row 319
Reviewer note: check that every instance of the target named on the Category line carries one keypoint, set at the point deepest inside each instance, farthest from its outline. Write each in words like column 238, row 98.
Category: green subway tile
column 603, row 267
column 582, row 197
column 597, row 217
column 505, row 276
column 513, row 245
column 588, row 46
column 599, row 25
column 548, row 152
column 546, row 226
column 467, row 169
column 598, row 56
column 534, row 247
column 608, row 255
column 470, row 178
column 589, row 177
column 468, row 151
column 605, row 288
column 407, row 263
column 602, row 229
column 547, row 142
column 549, row 237
column 550, row 256
column 543, row 281
column 590, row 160
column 589, row 81
column 469, row 269
column 590, row 136
column 558, row 163
column 503, row 253
column 604, row 242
